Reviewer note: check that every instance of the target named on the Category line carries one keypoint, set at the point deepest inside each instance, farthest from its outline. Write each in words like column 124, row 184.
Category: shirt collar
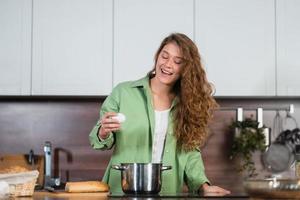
column 144, row 83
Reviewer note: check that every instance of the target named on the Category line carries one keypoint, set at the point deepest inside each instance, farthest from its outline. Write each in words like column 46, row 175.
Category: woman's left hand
column 212, row 190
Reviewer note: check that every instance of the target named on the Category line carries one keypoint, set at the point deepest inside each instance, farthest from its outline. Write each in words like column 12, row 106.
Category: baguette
column 86, row 186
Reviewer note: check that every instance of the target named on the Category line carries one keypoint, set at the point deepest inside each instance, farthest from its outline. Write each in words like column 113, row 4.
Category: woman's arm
column 98, row 143
column 194, row 171
column 100, row 137
column 196, row 178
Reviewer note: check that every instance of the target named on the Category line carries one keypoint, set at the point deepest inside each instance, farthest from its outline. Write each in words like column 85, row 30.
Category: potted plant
column 248, row 138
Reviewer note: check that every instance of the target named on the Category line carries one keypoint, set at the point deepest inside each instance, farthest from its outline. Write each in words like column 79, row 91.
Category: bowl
column 273, row 188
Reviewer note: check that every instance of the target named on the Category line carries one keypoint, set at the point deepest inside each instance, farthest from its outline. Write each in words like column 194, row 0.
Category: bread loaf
column 86, row 186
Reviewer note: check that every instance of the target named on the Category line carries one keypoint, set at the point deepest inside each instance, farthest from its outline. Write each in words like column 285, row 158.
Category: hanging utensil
column 277, row 125
column 279, row 157
column 289, row 120
column 281, row 154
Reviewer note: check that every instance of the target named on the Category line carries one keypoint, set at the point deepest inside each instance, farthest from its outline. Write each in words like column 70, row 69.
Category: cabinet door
column 288, row 47
column 236, row 41
column 15, row 47
column 139, row 28
column 72, row 47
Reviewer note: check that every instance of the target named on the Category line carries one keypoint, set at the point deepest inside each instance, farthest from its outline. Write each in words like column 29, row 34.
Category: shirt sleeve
column 97, row 143
column 194, row 171
column 111, row 104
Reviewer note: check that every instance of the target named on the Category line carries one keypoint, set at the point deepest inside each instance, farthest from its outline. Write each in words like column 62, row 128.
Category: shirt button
column 167, row 151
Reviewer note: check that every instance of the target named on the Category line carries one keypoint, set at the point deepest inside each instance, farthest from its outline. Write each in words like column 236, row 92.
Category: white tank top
column 161, row 126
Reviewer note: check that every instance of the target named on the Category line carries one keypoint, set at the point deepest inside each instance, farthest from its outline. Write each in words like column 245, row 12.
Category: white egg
column 120, row 117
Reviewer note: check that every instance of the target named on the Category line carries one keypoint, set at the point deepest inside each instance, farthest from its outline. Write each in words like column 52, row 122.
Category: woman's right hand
column 108, row 124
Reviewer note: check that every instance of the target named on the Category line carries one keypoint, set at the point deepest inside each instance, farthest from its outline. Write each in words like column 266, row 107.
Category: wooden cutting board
column 21, row 160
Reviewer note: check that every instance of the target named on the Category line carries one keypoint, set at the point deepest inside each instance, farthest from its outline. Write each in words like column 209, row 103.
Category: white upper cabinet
column 139, row 28
column 72, row 47
column 15, row 47
column 236, row 39
column 288, row 44
column 85, row 47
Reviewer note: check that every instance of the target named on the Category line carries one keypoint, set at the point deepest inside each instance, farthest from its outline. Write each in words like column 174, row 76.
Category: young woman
column 174, row 103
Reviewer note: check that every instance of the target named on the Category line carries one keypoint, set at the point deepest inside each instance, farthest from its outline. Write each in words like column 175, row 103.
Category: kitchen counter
column 235, row 195
column 40, row 195
column 64, row 195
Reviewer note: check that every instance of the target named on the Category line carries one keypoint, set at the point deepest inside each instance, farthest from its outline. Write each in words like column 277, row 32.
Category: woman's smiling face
column 169, row 64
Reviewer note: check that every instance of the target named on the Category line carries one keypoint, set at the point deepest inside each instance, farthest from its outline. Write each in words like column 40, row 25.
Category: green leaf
column 250, row 139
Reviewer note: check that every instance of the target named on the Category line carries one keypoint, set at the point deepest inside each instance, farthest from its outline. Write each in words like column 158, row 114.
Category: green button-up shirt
column 133, row 142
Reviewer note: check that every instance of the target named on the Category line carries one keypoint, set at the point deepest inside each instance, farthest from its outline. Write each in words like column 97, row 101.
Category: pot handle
column 166, row 168
column 118, row 167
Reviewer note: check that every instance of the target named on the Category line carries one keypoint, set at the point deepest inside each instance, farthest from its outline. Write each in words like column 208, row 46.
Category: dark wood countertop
column 40, row 195
column 66, row 195
column 45, row 195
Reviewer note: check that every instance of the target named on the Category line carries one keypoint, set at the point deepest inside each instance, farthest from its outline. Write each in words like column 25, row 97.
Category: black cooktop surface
column 177, row 195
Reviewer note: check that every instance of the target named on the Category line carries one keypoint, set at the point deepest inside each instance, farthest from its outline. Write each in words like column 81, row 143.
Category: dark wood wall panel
column 27, row 124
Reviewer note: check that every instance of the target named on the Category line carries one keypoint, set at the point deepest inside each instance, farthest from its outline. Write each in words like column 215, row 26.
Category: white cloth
column 161, row 126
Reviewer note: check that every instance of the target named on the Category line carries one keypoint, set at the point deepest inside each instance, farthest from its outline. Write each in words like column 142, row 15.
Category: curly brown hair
column 195, row 102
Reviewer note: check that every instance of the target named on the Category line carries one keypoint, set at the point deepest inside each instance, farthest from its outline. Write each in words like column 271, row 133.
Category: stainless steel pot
column 141, row 178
